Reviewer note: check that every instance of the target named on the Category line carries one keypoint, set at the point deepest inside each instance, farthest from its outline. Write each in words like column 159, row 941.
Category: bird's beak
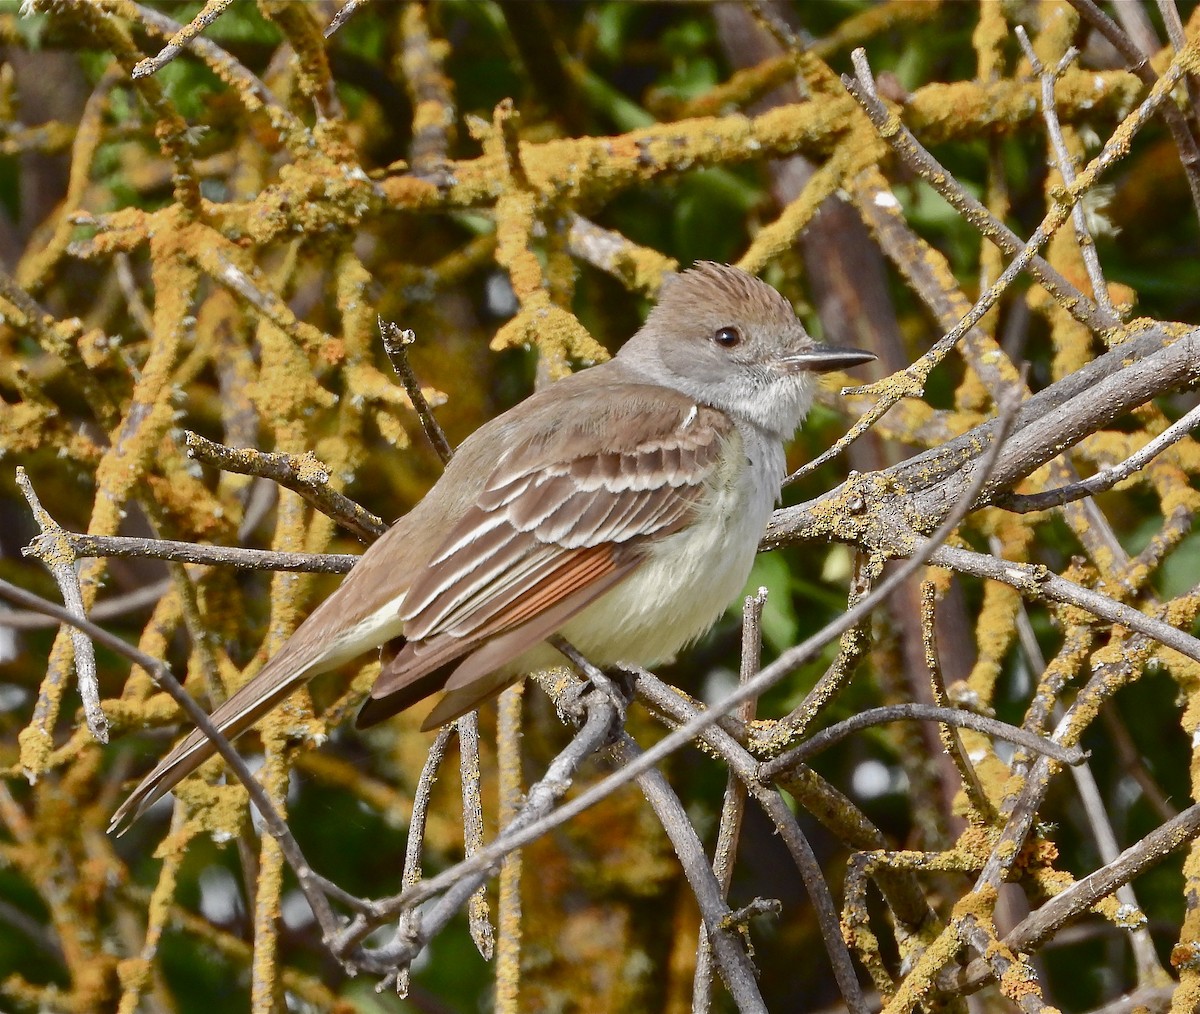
column 821, row 358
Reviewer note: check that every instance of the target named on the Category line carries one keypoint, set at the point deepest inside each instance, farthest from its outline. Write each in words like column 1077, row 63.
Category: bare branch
column 53, row 549
column 1104, row 480
column 213, row 9
column 395, row 344
column 304, row 475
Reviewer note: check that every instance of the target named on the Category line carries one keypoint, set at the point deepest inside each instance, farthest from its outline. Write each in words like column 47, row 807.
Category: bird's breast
column 690, row 577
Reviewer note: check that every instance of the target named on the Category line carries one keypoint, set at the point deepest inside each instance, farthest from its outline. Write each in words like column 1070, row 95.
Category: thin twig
column 1178, row 37
column 1038, row 582
column 1104, row 480
column 1087, row 244
column 106, row 609
column 345, row 12
column 248, row 88
column 922, row 712
column 951, row 741
column 919, row 159
column 53, row 549
column 409, row 923
column 1139, row 63
column 1165, row 839
column 1148, row 966
column 213, row 9
column 478, row 920
column 1081, row 896
column 433, row 122
column 743, row 765
column 911, row 381
column 395, row 344
column 734, row 963
column 133, row 298
column 461, row 881
column 304, row 475
column 733, row 807
column 191, row 552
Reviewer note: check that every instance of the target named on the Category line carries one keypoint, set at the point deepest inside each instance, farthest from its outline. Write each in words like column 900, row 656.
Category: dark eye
column 727, row 337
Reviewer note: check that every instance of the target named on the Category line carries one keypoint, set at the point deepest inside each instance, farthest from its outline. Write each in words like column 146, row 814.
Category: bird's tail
column 276, row 681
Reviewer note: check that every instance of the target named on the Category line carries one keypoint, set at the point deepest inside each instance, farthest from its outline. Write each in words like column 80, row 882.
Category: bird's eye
column 727, row 337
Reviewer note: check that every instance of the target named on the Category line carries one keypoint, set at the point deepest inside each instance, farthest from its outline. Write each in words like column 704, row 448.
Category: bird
column 620, row 507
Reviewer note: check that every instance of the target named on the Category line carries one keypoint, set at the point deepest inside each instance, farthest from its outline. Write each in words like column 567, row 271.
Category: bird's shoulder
column 601, row 414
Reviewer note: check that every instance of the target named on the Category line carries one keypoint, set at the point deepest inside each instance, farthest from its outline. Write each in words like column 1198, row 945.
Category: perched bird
column 621, row 506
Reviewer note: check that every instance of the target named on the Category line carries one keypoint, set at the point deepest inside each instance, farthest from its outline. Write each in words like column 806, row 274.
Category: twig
column 510, row 784
column 924, row 712
column 345, row 12
column 461, row 880
column 395, row 344
column 911, row 381
column 641, row 268
column 1021, row 810
column 191, row 552
column 737, row 971
column 409, row 923
column 1096, row 812
column 1086, row 892
column 863, row 89
column 1104, row 480
column 733, row 807
column 1139, row 63
column 743, row 765
column 918, row 158
column 952, row 742
column 1143, row 366
column 248, row 88
column 39, row 935
column 1081, row 896
column 1178, row 37
column 710, row 892
column 304, row 475
column 60, row 339
column 106, row 609
column 1038, row 582
column 478, row 921
column 133, row 298
column 837, row 813
column 433, row 115
column 213, row 9
column 53, row 549
column 1087, row 244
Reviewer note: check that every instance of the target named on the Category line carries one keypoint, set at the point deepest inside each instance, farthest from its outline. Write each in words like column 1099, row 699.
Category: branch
column 53, row 549
column 1104, row 480
column 956, row 717
column 304, row 475
column 213, row 9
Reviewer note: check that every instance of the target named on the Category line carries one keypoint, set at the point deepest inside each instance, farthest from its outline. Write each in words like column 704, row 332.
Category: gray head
column 729, row 340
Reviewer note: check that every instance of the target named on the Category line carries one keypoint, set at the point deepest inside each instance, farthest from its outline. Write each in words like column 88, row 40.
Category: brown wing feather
column 527, row 616
column 544, row 536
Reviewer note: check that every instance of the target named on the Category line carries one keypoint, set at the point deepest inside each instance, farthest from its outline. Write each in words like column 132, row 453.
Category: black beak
column 821, row 358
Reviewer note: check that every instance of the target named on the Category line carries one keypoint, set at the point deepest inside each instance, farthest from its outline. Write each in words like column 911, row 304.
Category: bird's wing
column 545, row 539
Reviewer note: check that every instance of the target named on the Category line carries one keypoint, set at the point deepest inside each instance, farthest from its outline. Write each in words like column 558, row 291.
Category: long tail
column 282, row 675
